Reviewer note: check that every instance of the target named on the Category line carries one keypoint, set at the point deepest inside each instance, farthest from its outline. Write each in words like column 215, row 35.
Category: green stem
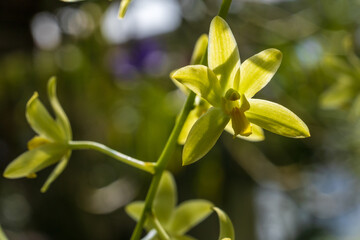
column 145, row 166
column 162, row 163
column 224, row 9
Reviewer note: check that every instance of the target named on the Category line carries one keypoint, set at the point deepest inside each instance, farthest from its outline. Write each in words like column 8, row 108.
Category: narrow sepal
column 204, row 134
column 201, row 107
column 202, row 81
column 60, row 167
column 61, row 117
column 276, row 118
column 226, row 226
column 223, row 53
column 258, row 70
column 188, row 214
column 200, row 49
column 135, row 209
column 35, row 160
column 37, row 141
column 189, row 123
column 41, row 121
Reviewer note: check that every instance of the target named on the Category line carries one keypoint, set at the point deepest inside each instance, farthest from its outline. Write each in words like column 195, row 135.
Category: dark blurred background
column 113, row 83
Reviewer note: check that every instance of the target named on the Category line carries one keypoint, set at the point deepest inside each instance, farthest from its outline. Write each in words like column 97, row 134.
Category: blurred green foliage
column 120, row 94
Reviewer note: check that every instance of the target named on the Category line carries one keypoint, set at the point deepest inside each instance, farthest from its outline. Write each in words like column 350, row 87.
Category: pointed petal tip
column 52, row 85
column 32, row 99
column 186, row 162
column 6, row 175
column 52, row 79
column 10, row 174
column 216, row 19
column 276, row 53
column 306, row 135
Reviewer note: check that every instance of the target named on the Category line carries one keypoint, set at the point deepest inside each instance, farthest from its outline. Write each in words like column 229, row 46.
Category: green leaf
column 258, row 70
column 204, row 134
column 202, row 81
column 189, row 214
column 166, row 198
column 257, row 134
column 339, row 94
column 199, row 50
column 61, row 117
column 34, row 160
column 226, row 226
column 223, row 54
column 56, row 172
column 41, row 121
column 276, row 118
column 123, row 8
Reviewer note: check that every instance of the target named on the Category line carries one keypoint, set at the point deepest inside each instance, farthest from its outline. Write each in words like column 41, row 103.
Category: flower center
column 235, row 104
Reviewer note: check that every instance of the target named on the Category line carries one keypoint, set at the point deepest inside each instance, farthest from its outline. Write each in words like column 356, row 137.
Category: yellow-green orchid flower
column 49, row 146
column 173, row 222
column 201, row 105
column 229, row 88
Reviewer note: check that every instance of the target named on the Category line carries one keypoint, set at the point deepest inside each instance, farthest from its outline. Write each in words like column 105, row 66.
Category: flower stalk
column 81, row 145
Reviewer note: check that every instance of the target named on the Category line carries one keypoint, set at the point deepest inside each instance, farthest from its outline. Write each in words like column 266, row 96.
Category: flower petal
column 37, row 141
column 201, row 107
column 56, row 172
column 34, row 160
column 204, row 134
column 189, row 123
column 188, row 214
column 257, row 134
column 41, row 121
column 135, row 209
column 276, row 118
column 202, row 81
column 166, row 198
column 200, row 49
column 226, row 226
column 258, row 70
column 197, row 55
column 223, row 54
column 61, row 117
